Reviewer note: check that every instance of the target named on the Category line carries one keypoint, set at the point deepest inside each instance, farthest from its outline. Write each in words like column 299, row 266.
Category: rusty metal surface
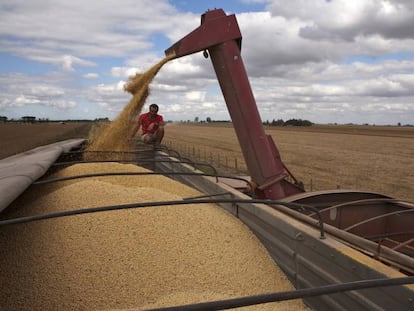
column 383, row 222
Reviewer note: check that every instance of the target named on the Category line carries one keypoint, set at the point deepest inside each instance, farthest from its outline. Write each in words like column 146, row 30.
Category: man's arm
column 135, row 127
column 161, row 123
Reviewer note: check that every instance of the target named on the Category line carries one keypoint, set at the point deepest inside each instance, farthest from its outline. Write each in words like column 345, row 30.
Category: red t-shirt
column 148, row 125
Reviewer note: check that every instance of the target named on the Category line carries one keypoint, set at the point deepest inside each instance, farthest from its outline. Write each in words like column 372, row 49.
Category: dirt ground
column 20, row 137
column 370, row 158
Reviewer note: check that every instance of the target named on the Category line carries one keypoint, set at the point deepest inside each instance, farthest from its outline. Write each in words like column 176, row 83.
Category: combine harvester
column 342, row 249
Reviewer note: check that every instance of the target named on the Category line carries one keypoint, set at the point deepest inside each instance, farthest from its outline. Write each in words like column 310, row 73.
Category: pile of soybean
column 130, row 259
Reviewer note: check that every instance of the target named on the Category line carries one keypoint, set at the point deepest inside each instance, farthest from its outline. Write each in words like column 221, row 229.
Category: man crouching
column 152, row 125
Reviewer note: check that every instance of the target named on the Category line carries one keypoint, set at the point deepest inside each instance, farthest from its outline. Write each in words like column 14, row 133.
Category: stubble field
column 377, row 159
column 19, row 137
column 370, row 158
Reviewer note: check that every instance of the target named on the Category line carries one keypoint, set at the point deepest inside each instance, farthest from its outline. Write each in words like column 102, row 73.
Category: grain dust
column 113, row 136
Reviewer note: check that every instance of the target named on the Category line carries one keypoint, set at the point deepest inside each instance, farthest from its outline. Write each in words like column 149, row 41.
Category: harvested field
column 19, row 137
column 369, row 158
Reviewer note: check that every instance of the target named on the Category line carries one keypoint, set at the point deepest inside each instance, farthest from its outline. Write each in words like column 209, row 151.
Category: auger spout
column 219, row 34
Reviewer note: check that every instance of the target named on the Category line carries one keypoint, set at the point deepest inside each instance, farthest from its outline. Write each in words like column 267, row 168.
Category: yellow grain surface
column 130, row 259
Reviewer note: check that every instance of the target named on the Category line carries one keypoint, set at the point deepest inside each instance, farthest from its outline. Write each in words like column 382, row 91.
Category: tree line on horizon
column 279, row 122
column 274, row 122
column 290, row 122
column 32, row 119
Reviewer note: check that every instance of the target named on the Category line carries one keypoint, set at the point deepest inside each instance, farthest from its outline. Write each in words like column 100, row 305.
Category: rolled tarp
column 18, row 172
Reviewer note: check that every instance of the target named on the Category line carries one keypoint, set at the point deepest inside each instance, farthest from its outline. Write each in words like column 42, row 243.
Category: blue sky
column 339, row 61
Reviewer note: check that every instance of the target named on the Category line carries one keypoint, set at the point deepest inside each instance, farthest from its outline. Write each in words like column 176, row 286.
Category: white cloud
column 23, row 100
column 84, row 29
column 302, row 57
column 186, row 66
column 196, row 96
column 123, row 72
column 91, row 75
column 347, row 19
column 62, row 104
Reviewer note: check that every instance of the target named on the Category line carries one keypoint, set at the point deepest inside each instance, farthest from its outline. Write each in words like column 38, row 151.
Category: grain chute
column 219, row 34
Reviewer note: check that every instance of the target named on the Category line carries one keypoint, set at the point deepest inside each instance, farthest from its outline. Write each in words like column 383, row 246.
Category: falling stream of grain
column 114, row 136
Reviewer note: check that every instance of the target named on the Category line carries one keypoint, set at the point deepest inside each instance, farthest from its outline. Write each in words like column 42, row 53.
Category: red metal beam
column 220, row 35
column 216, row 28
